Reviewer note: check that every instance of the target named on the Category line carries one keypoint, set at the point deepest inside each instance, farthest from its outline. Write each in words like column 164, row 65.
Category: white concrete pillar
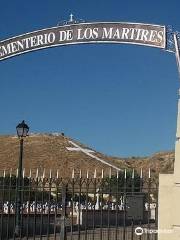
column 169, row 196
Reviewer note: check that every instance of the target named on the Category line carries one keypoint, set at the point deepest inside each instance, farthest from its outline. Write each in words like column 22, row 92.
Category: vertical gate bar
column 86, row 217
column 132, row 185
column 63, row 214
column 21, row 208
column 72, row 209
column 149, row 191
column 132, row 230
column 9, row 205
column 29, row 209
column 132, row 193
column 94, row 205
column 141, row 191
column 117, row 205
column 42, row 208
column 14, row 236
column 19, row 192
column 101, row 209
column 156, row 210
column 109, row 193
column 2, row 212
column 79, row 208
column 22, row 204
column 35, row 208
column 56, row 207
column 124, row 194
column 49, row 204
column 59, row 201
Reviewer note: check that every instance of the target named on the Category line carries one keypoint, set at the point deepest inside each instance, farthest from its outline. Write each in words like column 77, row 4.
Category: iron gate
column 117, row 207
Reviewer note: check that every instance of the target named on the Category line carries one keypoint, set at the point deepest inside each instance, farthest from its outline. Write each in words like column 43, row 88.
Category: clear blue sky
column 118, row 99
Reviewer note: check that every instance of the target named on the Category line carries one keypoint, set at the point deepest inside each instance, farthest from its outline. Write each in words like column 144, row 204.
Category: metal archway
column 77, row 32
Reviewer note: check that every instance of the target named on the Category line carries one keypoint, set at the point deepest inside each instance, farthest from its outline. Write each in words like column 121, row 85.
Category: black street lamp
column 22, row 131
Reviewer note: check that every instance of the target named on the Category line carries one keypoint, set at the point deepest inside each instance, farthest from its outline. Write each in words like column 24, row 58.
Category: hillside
column 48, row 151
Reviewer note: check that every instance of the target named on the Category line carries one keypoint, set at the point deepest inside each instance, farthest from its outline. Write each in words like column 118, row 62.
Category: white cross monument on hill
column 89, row 153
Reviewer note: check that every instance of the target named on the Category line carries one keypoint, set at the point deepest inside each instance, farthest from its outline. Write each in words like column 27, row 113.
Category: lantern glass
column 22, row 129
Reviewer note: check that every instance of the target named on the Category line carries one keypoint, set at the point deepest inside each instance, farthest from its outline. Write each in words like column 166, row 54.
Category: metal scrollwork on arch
column 170, row 44
column 71, row 20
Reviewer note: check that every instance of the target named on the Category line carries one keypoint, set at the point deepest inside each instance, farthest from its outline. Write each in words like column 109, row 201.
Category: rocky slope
column 48, row 151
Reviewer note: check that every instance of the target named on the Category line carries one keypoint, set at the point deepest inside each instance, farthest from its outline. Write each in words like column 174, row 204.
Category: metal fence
column 115, row 207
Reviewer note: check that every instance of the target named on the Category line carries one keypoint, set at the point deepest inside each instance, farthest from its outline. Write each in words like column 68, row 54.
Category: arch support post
column 177, row 52
column 169, row 184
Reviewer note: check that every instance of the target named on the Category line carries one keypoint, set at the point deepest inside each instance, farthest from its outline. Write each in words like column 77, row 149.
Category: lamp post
column 22, row 131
